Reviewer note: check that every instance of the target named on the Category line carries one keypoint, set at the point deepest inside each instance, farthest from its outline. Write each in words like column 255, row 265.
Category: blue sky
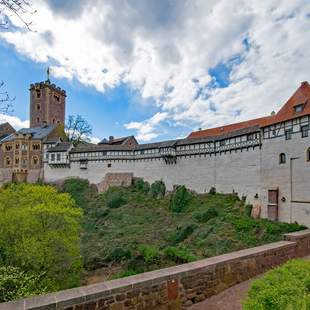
column 159, row 73
column 106, row 112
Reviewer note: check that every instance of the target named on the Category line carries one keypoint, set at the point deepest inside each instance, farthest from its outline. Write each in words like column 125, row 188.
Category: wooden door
column 273, row 205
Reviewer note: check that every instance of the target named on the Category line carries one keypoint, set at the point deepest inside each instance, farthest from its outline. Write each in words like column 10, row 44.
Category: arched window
column 282, row 158
column 308, row 154
column 35, row 160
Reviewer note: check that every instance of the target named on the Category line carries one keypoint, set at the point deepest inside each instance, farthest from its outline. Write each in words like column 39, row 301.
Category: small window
column 109, row 165
column 288, row 134
column 16, row 161
column 38, row 92
column 57, row 98
column 53, row 120
column 24, row 162
column 8, row 147
column 299, row 108
column 38, row 119
column 250, row 137
column 52, row 157
column 35, row 160
column 308, row 154
column 8, row 161
column 304, row 131
column 58, row 157
column 17, row 146
column 38, row 107
column 24, row 147
column 282, row 158
column 36, row 146
column 222, row 142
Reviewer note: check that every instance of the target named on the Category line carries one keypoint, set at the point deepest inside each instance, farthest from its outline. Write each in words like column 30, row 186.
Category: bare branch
column 6, row 106
column 18, row 8
column 78, row 129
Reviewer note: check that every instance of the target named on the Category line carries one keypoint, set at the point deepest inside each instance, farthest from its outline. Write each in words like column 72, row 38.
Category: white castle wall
column 236, row 171
column 248, row 172
column 292, row 178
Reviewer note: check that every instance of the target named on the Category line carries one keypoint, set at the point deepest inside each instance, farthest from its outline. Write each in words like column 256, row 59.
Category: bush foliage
column 114, row 198
column 144, row 234
column 39, row 233
column 180, row 199
column 286, row 287
column 15, row 283
column 158, row 189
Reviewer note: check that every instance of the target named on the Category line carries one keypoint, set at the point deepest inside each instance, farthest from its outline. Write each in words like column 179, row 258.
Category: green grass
column 144, row 233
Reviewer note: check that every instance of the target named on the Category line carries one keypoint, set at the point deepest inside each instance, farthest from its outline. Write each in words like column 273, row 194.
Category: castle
column 265, row 160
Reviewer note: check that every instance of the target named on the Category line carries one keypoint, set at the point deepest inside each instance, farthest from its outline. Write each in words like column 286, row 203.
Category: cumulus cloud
column 146, row 129
column 170, row 52
column 16, row 122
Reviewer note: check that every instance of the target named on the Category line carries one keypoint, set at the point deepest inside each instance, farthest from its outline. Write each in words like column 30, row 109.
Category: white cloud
column 147, row 129
column 16, row 122
column 94, row 140
column 166, row 48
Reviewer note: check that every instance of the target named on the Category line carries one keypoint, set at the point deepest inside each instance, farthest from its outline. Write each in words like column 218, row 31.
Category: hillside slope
column 137, row 229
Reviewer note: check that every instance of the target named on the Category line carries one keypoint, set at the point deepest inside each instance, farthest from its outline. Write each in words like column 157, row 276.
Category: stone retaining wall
column 176, row 287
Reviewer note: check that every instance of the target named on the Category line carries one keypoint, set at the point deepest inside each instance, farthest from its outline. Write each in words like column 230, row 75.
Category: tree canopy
column 39, row 233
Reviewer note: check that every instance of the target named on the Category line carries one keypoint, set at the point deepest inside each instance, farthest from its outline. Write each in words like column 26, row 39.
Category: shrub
column 15, row 283
column 286, row 287
column 179, row 255
column 248, row 210
column 212, row 190
column 158, row 189
column 142, row 185
column 180, row 199
column 114, row 198
column 39, row 232
column 80, row 190
column 150, row 253
column 119, row 254
column 207, row 215
column 183, row 233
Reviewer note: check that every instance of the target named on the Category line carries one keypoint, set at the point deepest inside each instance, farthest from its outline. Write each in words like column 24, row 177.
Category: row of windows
column 24, row 147
column 34, row 161
column 58, row 157
column 304, row 132
column 282, row 157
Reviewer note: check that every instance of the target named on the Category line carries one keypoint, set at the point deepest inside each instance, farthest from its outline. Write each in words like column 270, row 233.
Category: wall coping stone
column 297, row 235
column 70, row 297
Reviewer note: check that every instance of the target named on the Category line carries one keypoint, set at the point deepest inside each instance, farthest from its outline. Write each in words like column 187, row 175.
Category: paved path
column 229, row 299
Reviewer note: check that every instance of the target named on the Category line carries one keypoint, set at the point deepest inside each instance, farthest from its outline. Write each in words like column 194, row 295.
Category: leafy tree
column 39, row 231
column 78, row 129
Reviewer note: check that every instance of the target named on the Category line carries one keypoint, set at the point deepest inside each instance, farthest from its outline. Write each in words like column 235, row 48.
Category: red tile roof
column 287, row 112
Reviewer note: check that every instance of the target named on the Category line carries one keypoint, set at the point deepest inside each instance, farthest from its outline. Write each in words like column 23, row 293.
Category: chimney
column 304, row 83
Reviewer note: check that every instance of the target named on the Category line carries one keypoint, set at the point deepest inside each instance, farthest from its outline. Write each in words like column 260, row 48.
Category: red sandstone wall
column 176, row 287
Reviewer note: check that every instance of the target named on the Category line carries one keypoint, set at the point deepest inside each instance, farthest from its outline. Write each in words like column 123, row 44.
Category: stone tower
column 47, row 104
